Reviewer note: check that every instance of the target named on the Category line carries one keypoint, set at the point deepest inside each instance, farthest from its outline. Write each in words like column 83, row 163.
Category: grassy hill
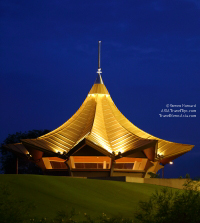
column 94, row 197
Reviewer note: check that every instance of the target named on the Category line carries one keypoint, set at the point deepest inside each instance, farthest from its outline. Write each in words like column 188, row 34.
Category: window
column 58, row 165
column 122, row 166
column 90, row 165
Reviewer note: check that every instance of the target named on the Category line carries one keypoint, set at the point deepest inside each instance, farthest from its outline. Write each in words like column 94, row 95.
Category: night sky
column 150, row 58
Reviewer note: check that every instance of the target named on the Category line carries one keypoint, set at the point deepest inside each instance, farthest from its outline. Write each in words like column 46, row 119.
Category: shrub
column 180, row 206
column 154, row 175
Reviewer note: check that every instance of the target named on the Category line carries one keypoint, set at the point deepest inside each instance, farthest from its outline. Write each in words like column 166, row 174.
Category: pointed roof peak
column 99, row 87
column 99, row 79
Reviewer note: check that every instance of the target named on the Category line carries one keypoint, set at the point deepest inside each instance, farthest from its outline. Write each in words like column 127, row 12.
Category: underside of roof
column 17, row 148
column 100, row 124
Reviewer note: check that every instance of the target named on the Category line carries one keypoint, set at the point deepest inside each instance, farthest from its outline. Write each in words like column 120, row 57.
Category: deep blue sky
column 150, row 58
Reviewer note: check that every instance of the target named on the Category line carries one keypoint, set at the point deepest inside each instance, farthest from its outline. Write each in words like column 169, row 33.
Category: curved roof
column 100, row 124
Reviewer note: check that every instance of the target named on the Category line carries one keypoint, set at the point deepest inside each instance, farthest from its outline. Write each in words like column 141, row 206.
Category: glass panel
column 128, row 166
column 91, row 165
column 100, row 165
column 58, row 165
column 119, row 166
column 79, row 165
column 124, row 166
column 63, row 165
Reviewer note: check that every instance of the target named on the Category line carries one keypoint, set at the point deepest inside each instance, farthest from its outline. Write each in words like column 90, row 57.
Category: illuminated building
column 99, row 141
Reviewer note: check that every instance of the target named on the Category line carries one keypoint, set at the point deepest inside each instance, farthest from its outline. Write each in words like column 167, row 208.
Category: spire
column 99, row 78
column 99, row 87
column 99, row 62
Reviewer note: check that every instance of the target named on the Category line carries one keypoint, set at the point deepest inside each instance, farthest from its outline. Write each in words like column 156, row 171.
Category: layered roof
column 99, row 124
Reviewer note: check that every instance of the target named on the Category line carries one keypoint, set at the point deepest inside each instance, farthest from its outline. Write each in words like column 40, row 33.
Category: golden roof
column 99, row 124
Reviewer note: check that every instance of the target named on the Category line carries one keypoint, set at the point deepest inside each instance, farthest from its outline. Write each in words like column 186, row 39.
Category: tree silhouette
column 8, row 159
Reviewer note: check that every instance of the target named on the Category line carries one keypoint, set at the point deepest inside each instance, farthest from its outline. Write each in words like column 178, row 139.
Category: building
column 99, row 141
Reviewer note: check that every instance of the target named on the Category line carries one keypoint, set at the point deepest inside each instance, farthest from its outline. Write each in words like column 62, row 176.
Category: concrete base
column 175, row 183
column 129, row 174
column 123, row 179
column 56, row 172
column 89, row 173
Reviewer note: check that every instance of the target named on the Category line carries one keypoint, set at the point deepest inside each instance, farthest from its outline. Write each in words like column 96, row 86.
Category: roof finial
column 99, row 53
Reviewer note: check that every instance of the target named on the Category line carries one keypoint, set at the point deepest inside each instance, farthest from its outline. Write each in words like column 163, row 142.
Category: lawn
column 94, row 197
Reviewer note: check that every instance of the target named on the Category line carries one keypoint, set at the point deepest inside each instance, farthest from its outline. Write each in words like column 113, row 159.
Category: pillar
column 67, row 162
column 16, row 165
column 112, row 166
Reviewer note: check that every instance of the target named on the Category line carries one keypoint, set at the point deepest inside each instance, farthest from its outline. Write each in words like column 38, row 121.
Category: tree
column 8, row 159
column 154, row 175
column 180, row 206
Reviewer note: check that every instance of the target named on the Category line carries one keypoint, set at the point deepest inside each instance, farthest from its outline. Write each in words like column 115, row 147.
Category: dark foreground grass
column 52, row 194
